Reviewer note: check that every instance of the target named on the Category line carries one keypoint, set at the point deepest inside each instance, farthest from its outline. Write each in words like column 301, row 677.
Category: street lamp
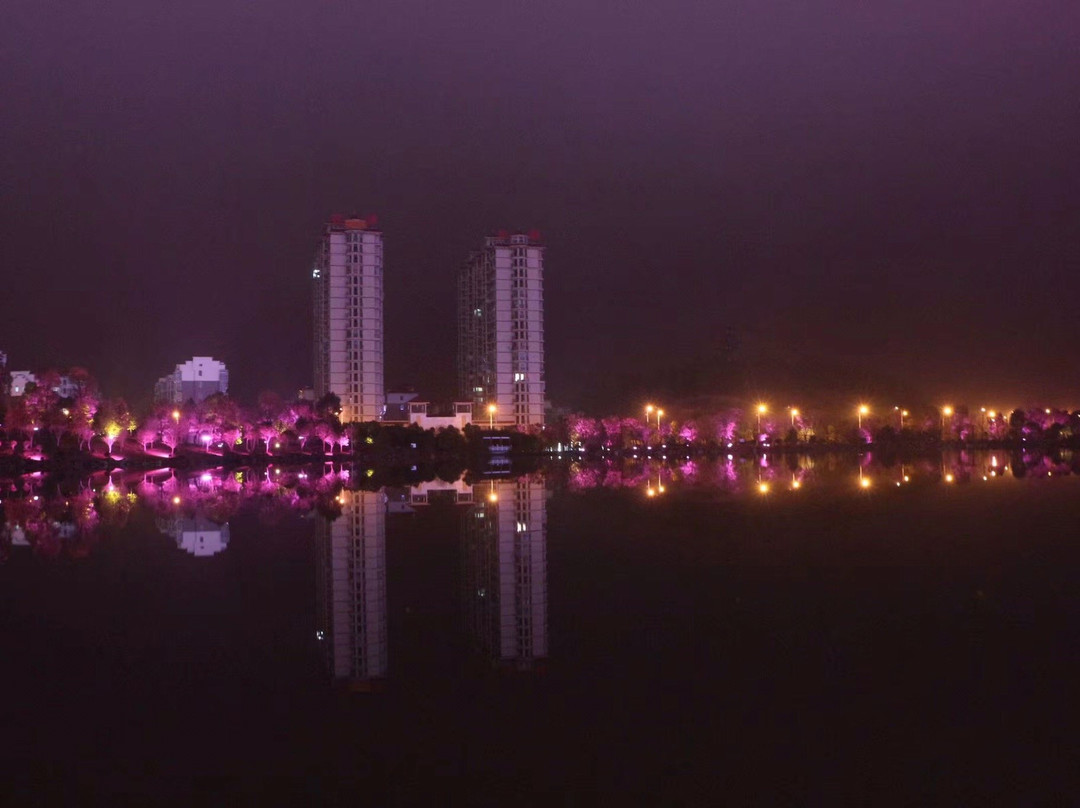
column 794, row 415
column 903, row 414
column 491, row 416
column 946, row 412
column 659, row 413
column 761, row 410
column 863, row 410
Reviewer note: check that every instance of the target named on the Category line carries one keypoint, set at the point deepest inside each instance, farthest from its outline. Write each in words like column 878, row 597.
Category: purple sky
column 869, row 196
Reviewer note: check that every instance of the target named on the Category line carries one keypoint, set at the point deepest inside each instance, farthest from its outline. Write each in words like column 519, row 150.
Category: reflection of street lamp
column 863, row 410
column 491, row 416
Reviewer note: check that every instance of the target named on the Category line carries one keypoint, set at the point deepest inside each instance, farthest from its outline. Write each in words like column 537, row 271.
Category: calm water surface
column 710, row 632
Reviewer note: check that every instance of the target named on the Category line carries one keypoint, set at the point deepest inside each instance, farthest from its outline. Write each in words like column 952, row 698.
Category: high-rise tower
column 348, row 280
column 501, row 329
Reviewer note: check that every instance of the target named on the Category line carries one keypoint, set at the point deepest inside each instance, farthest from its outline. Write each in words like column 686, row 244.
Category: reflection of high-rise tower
column 351, row 558
column 505, row 542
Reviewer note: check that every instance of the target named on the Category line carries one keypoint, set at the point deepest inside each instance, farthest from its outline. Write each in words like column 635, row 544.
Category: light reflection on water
column 503, row 525
column 859, row 590
column 68, row 517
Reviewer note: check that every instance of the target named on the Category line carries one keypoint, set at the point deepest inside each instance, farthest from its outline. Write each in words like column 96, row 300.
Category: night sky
column 788, row 199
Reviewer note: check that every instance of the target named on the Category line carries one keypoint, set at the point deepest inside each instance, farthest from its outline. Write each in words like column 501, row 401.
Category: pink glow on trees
column 322, row 431
column 688, row 432
column 584, row 431
column 146, row 435
column 266, row 433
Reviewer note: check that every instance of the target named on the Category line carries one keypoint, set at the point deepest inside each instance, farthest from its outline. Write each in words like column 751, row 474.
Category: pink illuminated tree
column 146, row 434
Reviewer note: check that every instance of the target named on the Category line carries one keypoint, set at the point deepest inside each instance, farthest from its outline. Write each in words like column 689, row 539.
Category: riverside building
column 348, row 305
column 501, row 330
column 194, row 380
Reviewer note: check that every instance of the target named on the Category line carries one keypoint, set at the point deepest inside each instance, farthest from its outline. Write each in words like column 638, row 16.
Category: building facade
column 195, row 380
column 348, row 306
column 19, row 380
column 501, row 330
column 64, row 386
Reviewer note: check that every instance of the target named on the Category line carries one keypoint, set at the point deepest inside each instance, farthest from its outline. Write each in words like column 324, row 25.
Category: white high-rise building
column 348, row 280
column 501, row 330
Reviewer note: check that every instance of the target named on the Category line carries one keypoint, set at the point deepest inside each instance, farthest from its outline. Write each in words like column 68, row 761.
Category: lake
column 697, row 631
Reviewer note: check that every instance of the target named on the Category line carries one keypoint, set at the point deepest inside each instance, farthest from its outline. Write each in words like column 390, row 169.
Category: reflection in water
column 504, row 538
column 351, row 591
column 67, row 518
column 196, row 535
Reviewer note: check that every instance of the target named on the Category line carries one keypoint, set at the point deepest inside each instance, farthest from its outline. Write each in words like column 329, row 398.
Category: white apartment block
column 194, row 380
column 65, row 387
column 19, row 380
column 501, row 330
column 348, row 303
column 351, row 552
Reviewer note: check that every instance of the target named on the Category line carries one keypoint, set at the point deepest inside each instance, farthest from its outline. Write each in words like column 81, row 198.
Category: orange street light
column 863, row 410
column 491, row 416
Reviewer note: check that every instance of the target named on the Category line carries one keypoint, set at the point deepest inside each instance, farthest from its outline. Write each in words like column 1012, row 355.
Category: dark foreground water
column 702, row 633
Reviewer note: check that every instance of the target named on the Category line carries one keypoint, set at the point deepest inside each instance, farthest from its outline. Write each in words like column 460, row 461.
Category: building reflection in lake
column 196, row 535
column 351, row 591
column 504, row 536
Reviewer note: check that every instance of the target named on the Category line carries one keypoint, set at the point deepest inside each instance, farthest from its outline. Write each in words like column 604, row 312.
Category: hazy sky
column 886, row 191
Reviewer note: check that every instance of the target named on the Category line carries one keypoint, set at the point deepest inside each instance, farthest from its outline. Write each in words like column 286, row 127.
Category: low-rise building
column 19, row 380
column 404, row 407
column 195, row 380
